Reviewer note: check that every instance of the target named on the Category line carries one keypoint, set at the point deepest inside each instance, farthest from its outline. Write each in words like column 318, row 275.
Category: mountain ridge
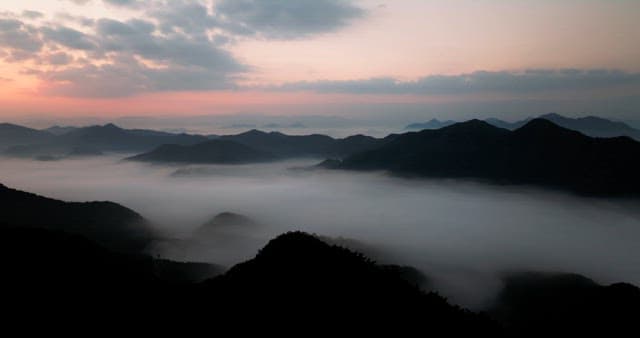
column 539, row 153
column 589, row 125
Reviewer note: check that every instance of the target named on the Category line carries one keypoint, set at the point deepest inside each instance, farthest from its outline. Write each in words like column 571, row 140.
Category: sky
column 387, row 60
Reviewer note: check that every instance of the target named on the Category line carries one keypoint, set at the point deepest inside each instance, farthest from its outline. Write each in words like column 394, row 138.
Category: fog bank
column 461, row 234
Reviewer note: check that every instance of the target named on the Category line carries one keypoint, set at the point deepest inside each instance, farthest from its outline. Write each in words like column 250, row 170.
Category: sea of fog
column 462, row 235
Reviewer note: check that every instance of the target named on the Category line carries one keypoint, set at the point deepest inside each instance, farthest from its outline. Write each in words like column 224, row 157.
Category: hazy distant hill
column 431, row 124
column 13, row 135
column 107, row 223
column 112, row 138
column 227, row 219
column 90, row 140
column 539, row 153
column 283, row 145
column 210, row 152
column 59, row 130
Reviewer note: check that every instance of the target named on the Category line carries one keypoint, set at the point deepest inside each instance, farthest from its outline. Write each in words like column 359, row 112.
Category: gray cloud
column 126, row 76
column 123, row 3
column 18, row 37
column 479, row 82
column 190, row 17
column 286, row 19
column 83, row 21
column 120, row 3
column 58, row 59
column 190, row 53
column 68, row 37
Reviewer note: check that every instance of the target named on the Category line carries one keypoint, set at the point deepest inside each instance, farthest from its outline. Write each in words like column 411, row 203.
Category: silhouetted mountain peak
column 298, row 246
column 292, row 242
column 544, row 127
column 474, row 125
column 253, row 132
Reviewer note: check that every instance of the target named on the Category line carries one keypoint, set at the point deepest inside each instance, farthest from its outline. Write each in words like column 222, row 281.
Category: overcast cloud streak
column 528, row 81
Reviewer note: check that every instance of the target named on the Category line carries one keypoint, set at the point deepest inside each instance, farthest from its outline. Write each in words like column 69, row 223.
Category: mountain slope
column 212, row 152
column 539, row 153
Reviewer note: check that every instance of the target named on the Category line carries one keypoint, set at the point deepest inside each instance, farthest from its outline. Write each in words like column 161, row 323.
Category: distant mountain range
column 59, row 142
column 590, row 125
column 287, row 146
column 536, row 151
column 66, row 141
column 258, row 146
column 540, row 153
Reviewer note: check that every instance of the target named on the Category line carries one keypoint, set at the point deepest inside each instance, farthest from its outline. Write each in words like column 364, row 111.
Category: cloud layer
column 169, row 45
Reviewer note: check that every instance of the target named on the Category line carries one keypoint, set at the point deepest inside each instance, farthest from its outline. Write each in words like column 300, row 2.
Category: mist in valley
column 462, row 235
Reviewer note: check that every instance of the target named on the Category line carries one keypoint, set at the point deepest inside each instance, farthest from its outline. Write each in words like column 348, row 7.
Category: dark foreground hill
column 535, row 304
column 106, row 223
column 295, row 281
column 539, row 153
column 295, row 284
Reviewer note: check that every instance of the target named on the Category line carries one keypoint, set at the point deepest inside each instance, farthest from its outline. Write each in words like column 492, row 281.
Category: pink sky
column 405, row 40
